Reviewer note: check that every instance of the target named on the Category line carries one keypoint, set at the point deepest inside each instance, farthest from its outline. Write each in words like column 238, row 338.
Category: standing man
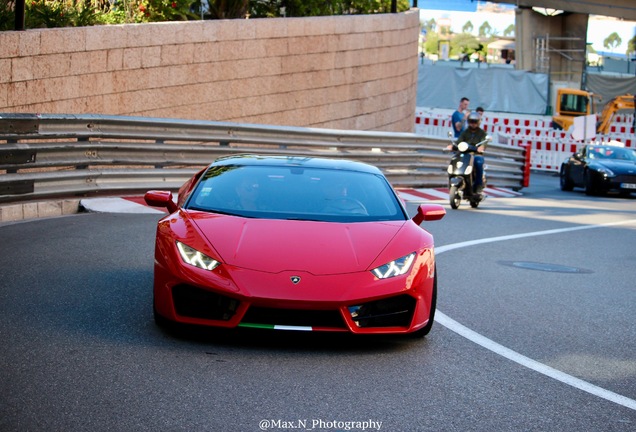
column 460, row 115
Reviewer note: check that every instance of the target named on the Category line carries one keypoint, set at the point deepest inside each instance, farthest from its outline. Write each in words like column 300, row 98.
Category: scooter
column 461, row 175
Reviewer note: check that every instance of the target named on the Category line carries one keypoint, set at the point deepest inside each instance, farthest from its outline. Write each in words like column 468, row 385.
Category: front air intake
column 195, row 302
column 390, row 312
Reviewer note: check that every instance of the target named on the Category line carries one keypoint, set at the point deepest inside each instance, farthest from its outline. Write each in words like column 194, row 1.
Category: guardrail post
column 85, row 166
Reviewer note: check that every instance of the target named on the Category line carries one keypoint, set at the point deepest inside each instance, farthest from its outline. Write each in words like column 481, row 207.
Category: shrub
column 71, row 13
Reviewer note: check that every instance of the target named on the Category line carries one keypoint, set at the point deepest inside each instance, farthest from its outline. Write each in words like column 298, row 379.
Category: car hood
column 618, row 166
column 274, row 246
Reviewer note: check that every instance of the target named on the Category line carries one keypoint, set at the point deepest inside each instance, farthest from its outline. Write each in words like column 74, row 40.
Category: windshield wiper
column 296, row 218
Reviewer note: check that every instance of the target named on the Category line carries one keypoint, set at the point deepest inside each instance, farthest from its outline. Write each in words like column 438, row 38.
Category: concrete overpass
column 556, row 44
column 625, row 9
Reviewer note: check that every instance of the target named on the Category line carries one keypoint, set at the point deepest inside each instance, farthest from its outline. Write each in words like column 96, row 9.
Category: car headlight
column 605, row 171
column 394, row 268
column 195, row 258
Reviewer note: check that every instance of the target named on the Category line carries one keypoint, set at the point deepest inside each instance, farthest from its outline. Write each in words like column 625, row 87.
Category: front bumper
column 396, row 305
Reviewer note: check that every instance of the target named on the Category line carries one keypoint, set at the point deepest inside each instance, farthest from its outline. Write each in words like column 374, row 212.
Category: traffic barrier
column 432, row 126
column 548, row 146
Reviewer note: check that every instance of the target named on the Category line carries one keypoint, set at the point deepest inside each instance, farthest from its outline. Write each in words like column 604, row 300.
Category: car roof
column 296, row 161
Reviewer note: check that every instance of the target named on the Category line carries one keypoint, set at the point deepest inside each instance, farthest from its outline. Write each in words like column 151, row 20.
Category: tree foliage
column 485, row 29
column 464, row 44
column 431, row 45
column 7, row 16
column 631, row 45
column 228, row 9
column 510, row 30
column 67, row 13
column 303, row 8
column 612, row 41
column 430, row 25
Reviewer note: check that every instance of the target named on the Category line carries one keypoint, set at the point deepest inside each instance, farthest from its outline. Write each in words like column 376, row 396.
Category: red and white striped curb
column 119, row 205
column 437, row 194
column 136, row 204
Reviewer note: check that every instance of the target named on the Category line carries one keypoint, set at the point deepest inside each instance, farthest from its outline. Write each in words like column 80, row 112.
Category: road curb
column 38, row 209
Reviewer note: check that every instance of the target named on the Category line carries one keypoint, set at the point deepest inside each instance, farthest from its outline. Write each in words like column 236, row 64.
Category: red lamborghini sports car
column 294, row 243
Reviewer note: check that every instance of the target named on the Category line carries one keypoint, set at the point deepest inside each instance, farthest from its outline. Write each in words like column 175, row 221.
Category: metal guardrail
column 46, row 156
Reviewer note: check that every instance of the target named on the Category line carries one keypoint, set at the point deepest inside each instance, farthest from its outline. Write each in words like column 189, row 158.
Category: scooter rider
column 474, row 135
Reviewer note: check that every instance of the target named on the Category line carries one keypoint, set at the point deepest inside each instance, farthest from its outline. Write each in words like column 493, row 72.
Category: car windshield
column 612, row 152
column 299, row 193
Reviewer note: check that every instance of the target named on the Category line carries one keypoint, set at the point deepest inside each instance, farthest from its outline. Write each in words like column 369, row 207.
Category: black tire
column 590, row 188
column 161, row 321
column 565, row 181
column 474, row 203
column 454, row 198
column 431, row 317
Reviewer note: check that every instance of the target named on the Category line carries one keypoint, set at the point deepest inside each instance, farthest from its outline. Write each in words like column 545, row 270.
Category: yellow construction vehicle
column 572, row 103
column 618, row 103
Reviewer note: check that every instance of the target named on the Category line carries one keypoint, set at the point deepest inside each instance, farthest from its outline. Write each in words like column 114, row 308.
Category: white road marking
column 520, row 359
column 442, row 249
column 532, row 364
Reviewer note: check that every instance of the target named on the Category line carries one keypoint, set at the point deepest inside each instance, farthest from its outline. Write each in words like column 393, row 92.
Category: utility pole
column 19, row 14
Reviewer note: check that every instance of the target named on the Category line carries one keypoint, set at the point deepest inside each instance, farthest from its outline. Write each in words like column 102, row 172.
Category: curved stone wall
column 340, row 72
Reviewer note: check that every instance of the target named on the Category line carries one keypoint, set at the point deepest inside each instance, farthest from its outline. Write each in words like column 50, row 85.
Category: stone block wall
column 340, row 72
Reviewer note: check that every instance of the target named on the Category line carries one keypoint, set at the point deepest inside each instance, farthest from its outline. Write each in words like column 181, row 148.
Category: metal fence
column 47, row 156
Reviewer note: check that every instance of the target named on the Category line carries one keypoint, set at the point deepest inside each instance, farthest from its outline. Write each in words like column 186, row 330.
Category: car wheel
column 590, row 187
column 454, row 197
column 566, row 182
column 431, row 317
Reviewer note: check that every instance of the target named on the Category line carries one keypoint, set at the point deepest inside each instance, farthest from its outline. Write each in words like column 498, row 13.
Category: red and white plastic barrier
column 549, row 147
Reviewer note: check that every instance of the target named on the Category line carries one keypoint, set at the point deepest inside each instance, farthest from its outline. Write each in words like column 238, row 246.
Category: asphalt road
column 535, row 332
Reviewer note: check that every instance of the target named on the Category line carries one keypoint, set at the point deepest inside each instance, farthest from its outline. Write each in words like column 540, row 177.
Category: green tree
column 300, row 8
column 228, row 9
column 50, row 13
column 510, row 30
column 66, row 13
column 612, row 41
column 431, row 46
column 7, row 17
column 464, row 44
column 631, row 45
column 468, row 27
column 485, row 29
column 429, row 25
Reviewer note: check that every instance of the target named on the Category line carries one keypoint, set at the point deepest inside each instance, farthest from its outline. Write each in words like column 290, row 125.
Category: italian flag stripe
column 276, row 327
